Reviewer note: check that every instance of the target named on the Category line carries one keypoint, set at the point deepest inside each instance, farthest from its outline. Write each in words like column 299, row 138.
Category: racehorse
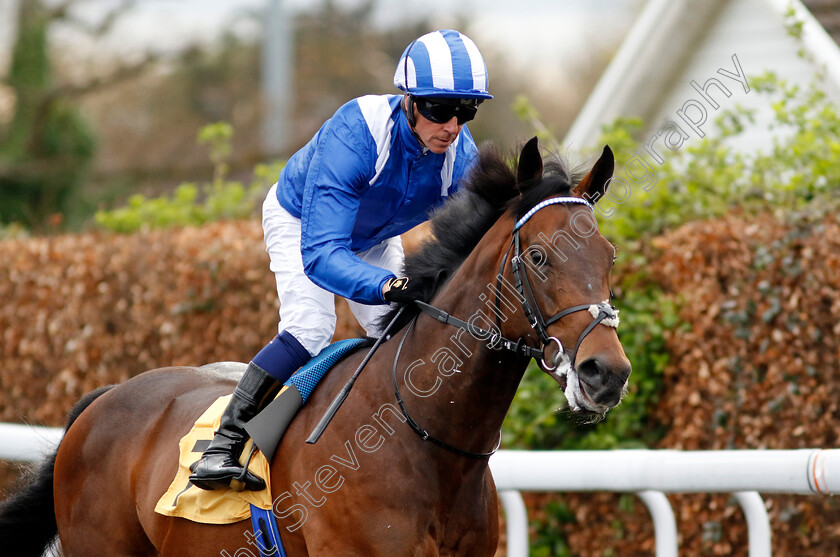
column 403, row 469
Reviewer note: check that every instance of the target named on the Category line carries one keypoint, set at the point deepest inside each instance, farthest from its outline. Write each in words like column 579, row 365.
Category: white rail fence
column 650, row 474
column 27, row 443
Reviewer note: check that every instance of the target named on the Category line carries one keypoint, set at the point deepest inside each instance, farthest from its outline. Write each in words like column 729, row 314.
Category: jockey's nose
column 452, row 125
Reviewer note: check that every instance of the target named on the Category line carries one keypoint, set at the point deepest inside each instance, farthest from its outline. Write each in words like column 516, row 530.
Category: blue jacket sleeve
column 338, row 174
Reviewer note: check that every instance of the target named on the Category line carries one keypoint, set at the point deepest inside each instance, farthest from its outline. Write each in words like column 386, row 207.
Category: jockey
column 332, row 222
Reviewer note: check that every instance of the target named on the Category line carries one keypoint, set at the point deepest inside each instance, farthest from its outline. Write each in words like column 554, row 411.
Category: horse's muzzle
column 604, row 384
column 594, row 386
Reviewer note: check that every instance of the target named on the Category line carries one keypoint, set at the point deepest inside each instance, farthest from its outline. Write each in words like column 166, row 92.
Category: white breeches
column 307, row 311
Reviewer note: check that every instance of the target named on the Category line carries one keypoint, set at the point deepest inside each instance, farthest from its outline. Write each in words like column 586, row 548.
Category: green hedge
column 194, row 203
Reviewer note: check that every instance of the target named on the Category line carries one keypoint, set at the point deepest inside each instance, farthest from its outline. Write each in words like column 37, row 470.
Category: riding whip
column 342, row 394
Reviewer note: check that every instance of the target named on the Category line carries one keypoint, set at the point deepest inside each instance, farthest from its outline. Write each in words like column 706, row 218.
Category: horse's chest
column 471, row 530
column 478, row 542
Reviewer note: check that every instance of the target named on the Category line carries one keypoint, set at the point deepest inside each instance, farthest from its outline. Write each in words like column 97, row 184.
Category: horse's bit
column 602, row 313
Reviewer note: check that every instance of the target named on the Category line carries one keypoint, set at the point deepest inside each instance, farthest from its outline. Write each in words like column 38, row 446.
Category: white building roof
column 675, row 42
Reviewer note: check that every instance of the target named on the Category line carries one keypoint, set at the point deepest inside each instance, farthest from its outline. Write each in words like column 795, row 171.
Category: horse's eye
column 538, row 258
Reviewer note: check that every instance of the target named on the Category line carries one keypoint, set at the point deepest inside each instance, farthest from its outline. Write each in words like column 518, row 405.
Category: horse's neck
column 458, row 389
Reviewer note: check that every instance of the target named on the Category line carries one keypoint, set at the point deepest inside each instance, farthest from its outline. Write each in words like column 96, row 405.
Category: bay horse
column 403, row 469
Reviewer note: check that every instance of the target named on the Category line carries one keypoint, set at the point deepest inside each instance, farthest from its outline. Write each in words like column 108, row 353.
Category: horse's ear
column 530, row 163
column 594, row 185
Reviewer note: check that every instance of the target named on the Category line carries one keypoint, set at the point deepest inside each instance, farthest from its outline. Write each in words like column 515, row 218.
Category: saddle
column 184, row 500
column 267, row 427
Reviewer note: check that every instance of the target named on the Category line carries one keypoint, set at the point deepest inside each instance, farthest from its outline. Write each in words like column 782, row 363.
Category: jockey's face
column 437, row 137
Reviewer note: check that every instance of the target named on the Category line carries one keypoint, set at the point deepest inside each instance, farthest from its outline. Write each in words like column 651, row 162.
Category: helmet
column 443, row 63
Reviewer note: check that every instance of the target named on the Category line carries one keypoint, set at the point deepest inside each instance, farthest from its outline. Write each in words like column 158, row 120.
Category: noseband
column 601, row 312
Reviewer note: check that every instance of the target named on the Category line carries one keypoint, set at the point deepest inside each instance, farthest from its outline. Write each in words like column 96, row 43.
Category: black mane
column 457, row 227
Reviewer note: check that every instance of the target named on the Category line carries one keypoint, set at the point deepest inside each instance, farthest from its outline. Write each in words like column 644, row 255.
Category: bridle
column 602, row 313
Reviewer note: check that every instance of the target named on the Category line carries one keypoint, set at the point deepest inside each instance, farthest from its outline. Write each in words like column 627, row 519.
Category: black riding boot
column 220, row 462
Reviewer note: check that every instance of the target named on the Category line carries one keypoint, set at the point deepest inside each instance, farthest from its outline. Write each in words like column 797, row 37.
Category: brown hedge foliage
column 759, row 366
column 756, row 368
column 81, row 311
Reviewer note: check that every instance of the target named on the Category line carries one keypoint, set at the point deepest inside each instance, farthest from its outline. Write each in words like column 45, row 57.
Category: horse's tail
column 27, row 518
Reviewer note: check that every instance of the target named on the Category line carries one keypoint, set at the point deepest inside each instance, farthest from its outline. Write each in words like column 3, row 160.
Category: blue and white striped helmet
column 443, row 63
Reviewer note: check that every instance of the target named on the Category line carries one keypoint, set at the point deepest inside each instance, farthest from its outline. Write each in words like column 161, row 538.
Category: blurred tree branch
column 115, row 77
column 46, row 148
column 64, row 12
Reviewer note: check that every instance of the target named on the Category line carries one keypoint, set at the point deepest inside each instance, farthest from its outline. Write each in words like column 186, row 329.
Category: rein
column 602, row 313
column 497, row 341
column 415, row 427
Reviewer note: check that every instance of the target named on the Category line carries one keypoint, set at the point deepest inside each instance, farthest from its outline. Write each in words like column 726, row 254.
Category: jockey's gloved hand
column 402, row 290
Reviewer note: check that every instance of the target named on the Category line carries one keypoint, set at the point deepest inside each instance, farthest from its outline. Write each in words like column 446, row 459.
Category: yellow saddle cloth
column 184, row 500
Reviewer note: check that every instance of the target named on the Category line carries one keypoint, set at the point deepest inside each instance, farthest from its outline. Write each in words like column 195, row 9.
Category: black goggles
column 441, row 110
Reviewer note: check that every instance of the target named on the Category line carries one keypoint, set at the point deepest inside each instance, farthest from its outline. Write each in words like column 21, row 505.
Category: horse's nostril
column 591, row 372
column 597, row 372
column 605, row 383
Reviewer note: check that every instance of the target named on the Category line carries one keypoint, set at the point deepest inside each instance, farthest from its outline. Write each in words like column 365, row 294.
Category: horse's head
column 552, row 287
column 560, row 266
